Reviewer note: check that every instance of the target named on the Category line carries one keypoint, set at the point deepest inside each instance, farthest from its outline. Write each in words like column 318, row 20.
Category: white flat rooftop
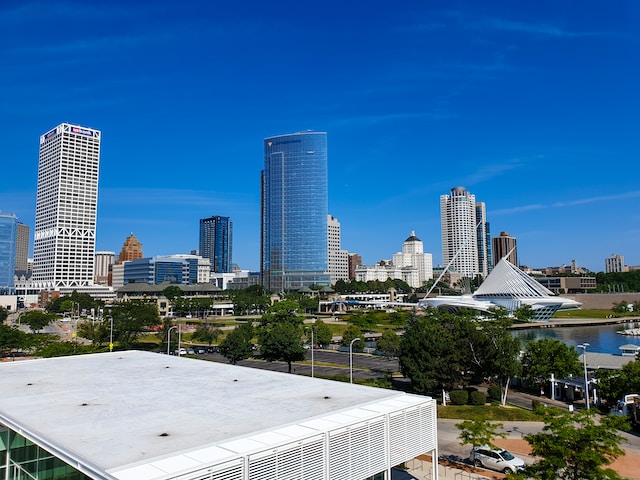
column 122, row 411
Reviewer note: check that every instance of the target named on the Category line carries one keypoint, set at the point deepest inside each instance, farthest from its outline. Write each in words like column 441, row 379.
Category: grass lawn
column 583, row 314
column 489, row 412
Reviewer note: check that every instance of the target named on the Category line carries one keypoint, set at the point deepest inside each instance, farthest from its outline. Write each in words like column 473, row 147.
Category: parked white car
column 496, row 459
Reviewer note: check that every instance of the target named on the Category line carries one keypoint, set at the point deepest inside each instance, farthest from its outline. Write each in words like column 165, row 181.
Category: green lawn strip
column 489, row 412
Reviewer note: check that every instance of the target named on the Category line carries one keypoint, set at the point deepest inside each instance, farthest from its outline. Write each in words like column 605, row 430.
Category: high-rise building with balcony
column 504, row 245
column 294, row 209
column 216, row 238
column 8, row 223
column 66, row 208
column 459, row 232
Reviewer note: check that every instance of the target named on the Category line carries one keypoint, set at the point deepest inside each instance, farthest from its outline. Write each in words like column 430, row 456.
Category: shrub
column 459, row 397
column 494, row 392
column 477, row 398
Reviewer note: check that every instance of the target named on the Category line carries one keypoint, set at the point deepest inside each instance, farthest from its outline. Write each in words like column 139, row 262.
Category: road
column 326, row 363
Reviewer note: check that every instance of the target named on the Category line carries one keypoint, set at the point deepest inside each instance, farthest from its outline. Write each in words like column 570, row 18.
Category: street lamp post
column 586, row 381
column 179, row 339
column 169, row 340
column 111, row 333
column 351, row 358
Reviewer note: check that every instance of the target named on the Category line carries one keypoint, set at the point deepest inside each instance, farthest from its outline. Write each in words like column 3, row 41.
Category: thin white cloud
column 571, row 203
column 544, row 29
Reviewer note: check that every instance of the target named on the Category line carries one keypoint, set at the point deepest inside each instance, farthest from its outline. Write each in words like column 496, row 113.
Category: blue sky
column 532, row 106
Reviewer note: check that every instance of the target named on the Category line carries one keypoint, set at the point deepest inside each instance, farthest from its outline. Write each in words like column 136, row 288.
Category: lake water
column 601, row 338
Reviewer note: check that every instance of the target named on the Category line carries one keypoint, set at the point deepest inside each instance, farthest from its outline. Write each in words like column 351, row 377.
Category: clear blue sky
column 532, row 106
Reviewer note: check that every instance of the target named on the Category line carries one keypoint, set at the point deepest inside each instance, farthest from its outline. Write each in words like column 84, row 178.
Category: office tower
column 103, row 263
column 8, row 222
column 22, row 247
column 413, row 255
column 459, row 234
column 338, row 259
column 505, row 246
column 131, row 249
column 170, row 269
column 483, row 236
column 216, row 236
column 66, row 205
column 615, row 264
column 294, row 208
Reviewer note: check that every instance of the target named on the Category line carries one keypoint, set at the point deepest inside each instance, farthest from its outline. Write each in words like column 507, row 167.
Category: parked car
column 496, row 459
column 191, row 351
column 212, row 349
column 200, row 350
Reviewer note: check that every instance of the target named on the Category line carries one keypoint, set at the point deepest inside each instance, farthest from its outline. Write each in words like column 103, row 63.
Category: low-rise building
column 160, row 417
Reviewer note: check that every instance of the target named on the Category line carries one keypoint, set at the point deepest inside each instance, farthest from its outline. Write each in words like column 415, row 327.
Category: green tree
column 4, row 314
column 36, row 319
column 131, row 319
column 500, row 357
column 480, row 432
column 351, row 332
column 207, row 333
column 576, row 446
column 389, row 343
column 524, row 313
column 237, row 345
column 97, row 332
column 12, row 338
column 280, row 334
column 321, row 333
column 621, row 307
column 172, row 292
column 548, row 356
column 612, row 386
column 436, row 353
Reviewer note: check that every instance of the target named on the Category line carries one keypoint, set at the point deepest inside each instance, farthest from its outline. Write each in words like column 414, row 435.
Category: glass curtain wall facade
column 483, row 232
column 294, row 209
column 66, row 207
column 216, row 236
column 8, row 226
column 21, row 459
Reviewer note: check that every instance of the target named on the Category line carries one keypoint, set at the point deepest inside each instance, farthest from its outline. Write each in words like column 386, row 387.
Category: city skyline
column 530, row 107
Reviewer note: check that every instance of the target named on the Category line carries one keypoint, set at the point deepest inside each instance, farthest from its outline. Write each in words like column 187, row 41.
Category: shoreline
column 574, row 322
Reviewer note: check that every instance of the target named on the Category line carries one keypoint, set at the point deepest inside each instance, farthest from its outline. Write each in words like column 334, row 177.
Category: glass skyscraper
column 294, row 203
column 216, row 236
column 8, row 225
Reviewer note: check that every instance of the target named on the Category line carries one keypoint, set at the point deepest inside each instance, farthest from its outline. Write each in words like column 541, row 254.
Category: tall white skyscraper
column 66, row 208
column 338, row 259
column 413, row 255
column 459, row 234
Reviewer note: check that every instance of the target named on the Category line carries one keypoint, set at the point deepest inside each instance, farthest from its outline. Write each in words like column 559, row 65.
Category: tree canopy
column 549, row 356
column 440, row 350
column 614, row 386
column 479, row 432
column 576, row 446
column 36, row 319
column 280, row 333
column 131, row 319
column 237, row 345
